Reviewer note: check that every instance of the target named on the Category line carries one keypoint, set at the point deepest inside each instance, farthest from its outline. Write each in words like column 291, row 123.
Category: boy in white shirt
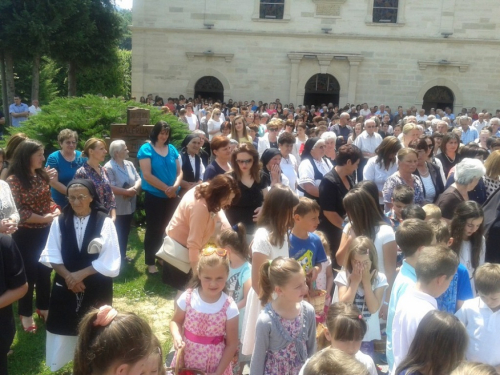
column 481, row 317
column 435, row 268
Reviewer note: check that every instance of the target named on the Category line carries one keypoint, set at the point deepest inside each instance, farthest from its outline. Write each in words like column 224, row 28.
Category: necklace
column 425, row 172
column 450, row 160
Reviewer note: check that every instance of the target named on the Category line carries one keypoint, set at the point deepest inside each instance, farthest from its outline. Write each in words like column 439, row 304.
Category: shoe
column 40, row 315
column 128, row 259
column 31, row 329
column 152, row 270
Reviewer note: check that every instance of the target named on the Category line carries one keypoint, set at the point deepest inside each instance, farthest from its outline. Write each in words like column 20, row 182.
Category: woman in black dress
column 449, row 152
column 83, row 250
column 191, row 163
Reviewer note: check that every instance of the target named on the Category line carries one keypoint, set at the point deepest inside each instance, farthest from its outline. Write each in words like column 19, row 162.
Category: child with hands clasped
column 208, row 317
column 286, row 327
column 361, row 283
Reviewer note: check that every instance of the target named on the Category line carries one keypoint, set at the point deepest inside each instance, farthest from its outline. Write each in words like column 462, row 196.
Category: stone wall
column 375, row 63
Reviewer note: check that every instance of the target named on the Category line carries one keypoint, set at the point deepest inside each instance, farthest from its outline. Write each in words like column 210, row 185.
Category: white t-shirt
column 372, row 322
column 361, row 357
column 466, row 260
column 192, row 122
column 377, row 174
column 211, row 126
column 483, row 328
column 384, row 234
column 289, row 168
column 208, row 308
column 410, row 310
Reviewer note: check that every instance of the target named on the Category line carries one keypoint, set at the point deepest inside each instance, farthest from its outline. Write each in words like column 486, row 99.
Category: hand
column 257, row 212
column 48, row 218
column 78, row 288
column 131, row 192
column 356, row 275
column 171, row 191
column 383, row 311
column 178, row 343
column 367, row 275
column 74, row 278
column 275, row 173
column 8, row 226
column 57, row 212
column 52, row 172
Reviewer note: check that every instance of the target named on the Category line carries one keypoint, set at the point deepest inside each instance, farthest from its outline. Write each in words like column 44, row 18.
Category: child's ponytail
column 266, row 288
column 107, row 337
column 236, row 238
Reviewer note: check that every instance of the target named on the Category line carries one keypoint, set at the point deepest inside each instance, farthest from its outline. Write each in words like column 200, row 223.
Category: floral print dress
column 205, row 357
column 286, row 360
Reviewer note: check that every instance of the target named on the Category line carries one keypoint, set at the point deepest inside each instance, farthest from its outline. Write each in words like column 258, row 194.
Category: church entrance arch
column 438, row 97
column 209, row 87
column 322, row 88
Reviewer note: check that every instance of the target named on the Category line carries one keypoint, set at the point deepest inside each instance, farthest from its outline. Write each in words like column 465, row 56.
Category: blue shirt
column 237, row 278
column 14, row 108
column 405, row 279
column 309, row 252
column 162, row 167
column 459, row 290
column 469, row 136
column 65, row 170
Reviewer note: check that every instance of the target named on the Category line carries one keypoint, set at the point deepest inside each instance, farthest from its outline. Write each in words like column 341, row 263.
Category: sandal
column 30, row 329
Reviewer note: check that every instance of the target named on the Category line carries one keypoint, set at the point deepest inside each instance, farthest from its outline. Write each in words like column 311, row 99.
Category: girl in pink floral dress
column 286, row 328
column 205, row 321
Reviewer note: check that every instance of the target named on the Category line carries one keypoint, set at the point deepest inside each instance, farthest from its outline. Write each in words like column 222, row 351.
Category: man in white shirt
column 435, row 268
column 480, row 123
column 367, row 141
column 421, row 115
column 34, row 109
column 365, row 111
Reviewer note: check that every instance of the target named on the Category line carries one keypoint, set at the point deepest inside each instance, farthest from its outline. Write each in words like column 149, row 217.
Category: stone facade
column 449, row 43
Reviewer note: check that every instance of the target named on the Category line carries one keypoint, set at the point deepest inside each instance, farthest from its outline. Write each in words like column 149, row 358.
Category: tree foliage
column 90, row 116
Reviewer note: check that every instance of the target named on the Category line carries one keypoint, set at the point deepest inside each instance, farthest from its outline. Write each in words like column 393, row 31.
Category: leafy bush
column 90, row 116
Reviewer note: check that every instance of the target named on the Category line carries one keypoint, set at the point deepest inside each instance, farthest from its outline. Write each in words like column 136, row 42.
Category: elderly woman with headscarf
column 191, row 163
column 126, row 185
column 313, row 167
column 271, row 173
column 83, row 249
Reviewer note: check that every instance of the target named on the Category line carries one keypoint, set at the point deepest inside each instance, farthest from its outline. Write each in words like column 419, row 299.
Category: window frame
column 286, row 12
column 400, row 18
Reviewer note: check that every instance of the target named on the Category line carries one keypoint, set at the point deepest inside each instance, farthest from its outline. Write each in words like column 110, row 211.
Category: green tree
column 125, row 22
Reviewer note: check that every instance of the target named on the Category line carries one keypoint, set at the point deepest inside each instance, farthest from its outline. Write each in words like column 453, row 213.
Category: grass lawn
column 134, row 291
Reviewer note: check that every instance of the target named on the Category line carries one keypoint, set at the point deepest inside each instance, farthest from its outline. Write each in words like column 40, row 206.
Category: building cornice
column 320, row 36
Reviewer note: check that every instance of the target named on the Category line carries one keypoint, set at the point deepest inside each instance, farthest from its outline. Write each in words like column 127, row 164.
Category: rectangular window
column 272, row 9
column 385, row 11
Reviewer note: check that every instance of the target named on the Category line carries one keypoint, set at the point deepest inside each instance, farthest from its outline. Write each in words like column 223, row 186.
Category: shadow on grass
column 133, row 284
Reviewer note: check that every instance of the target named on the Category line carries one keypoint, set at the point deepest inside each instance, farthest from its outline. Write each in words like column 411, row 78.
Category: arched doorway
column 322, row 88
column 438, row 97
column 209, row 87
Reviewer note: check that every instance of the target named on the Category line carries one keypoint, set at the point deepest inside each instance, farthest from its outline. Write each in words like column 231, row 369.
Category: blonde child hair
column 212, row 260
column 441, row 230
column 276, row 273
column 324, row 242
column 474, row 368
column 432, row 212
column 334, row 362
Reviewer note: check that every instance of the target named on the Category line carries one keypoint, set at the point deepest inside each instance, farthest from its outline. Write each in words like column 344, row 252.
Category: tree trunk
column 5, row 100
column 72, row 79
column 9, row 79
column 35, row 81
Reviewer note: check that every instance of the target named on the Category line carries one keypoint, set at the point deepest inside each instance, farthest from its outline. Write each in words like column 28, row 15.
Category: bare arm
column 311, row 189
column 257, row 260
column 12, row 295
column 175, row 327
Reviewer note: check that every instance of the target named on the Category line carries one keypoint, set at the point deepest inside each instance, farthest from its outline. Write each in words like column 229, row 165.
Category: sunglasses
column 273, row 130
column 247, row 161
column 210, row 250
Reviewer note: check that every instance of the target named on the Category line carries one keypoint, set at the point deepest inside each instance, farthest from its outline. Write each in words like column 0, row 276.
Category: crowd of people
column 299, row 241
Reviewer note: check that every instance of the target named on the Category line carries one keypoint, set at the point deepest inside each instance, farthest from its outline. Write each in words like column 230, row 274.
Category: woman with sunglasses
column 195, row 220
column 269, row 139
column 247, row 174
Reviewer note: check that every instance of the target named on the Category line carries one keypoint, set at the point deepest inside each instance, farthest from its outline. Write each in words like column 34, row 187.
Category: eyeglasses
column 273, row 130
column 247, row 161
column 70, row 142
column 210, row 250
column 79, row 198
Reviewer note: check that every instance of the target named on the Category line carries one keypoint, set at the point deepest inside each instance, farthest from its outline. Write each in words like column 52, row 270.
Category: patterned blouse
column 36, row 200
column 491, row 185
column 101, row 182
column 396, row 180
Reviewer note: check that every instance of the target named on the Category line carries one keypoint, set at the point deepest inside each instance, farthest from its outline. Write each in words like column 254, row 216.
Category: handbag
column 174, row 254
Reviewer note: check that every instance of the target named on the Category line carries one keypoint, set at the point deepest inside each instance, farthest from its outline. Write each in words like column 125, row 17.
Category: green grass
column 133, row 283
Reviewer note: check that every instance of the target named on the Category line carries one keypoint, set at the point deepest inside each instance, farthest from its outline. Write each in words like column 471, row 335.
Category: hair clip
column 360, row 317
column 105, row 316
